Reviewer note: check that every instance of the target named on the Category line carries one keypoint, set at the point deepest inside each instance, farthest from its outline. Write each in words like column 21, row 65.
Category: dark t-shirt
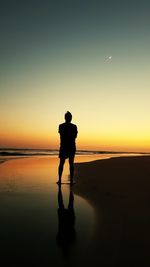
column 68, row 133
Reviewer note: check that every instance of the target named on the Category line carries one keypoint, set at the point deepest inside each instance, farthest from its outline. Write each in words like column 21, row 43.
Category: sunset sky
column 86, row 56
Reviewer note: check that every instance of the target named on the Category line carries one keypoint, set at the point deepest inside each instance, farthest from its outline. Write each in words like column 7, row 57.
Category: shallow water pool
column 41, row 224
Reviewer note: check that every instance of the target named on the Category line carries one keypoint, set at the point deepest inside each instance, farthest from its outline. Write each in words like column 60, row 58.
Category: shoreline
column 105, row 155
column 119, row 191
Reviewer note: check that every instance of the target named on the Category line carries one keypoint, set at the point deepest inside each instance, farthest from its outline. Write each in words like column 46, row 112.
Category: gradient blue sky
column 55, row 57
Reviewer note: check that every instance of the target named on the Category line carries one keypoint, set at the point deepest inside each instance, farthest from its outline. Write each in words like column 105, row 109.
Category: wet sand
column 119, row 190
column 33, row 210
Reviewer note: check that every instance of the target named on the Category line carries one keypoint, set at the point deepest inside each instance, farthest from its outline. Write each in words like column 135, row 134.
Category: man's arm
column 59, row 129
column 76, row 131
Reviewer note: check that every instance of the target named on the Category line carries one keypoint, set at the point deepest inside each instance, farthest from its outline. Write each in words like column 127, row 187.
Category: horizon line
column 78, row 150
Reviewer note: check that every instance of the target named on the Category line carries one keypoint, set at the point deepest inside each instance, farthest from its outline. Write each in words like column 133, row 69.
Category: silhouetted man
column 68, row 133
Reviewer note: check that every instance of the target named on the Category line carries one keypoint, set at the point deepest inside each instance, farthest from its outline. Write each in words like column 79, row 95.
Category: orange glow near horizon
column 107, row 117
column 96, row 142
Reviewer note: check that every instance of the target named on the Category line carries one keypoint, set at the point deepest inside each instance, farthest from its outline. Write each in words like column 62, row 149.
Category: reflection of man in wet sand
column 68, row 133
column 66, row 222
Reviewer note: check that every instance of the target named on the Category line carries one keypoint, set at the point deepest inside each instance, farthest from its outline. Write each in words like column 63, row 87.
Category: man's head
column 68, row 116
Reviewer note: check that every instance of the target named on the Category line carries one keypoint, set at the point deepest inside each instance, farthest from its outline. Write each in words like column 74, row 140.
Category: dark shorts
column 65, row 152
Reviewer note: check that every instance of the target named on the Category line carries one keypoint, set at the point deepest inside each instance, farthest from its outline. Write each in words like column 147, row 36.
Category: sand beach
column 119, row 190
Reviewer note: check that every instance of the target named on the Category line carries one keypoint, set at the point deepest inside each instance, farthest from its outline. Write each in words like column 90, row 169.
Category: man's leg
column 71, row 165
column 60, row 168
